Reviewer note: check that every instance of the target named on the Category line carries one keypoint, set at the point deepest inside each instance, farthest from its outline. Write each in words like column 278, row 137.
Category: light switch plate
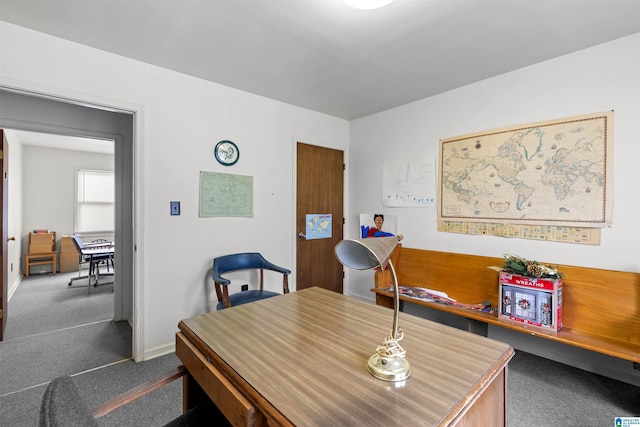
column 175, row 208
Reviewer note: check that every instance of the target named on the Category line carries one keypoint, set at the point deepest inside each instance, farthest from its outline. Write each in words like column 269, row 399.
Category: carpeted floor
column 53, row 329
column 22, row 409
column 40, row 358
column 542, row 392
column 44, row 302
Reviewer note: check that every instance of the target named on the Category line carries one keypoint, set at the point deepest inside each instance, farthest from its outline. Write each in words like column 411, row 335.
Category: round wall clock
column 227, row 153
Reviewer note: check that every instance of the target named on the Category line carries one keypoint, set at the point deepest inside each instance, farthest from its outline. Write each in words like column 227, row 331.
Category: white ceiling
column 327, row 57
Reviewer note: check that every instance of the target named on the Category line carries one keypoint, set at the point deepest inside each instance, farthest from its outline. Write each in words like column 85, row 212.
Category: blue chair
column 244, row 261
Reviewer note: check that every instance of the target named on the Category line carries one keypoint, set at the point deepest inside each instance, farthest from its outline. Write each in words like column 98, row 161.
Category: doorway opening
column 28, row 112
column 57, row 194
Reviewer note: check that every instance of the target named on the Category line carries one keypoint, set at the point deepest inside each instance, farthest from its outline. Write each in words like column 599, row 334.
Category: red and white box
column 536, row 302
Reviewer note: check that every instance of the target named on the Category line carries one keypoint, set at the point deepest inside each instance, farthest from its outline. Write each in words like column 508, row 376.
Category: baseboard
column 159, row 351
column 14, row 287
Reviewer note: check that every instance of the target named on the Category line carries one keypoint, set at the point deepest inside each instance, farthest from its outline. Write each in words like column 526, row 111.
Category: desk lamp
column 388, row 363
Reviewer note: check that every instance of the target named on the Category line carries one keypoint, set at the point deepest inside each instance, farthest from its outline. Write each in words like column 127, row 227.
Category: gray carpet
column 540, row 392
column 44, row 302
column 55, row 329
column 41, row 358
column 155, row 409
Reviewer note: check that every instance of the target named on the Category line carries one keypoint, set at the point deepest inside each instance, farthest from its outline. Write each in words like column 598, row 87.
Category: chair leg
column 80, row 276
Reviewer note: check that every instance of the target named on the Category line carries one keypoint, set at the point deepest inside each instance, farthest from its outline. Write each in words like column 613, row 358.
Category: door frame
column 345, row 206
column 4, row 234
column 130, row 161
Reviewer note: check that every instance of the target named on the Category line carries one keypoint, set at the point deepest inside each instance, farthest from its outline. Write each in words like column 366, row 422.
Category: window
column 95, row 201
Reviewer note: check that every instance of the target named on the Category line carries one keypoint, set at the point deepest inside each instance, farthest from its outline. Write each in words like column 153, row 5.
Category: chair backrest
column 244, row 261
column 77, row 242
column 63, row 405
column 104, row 242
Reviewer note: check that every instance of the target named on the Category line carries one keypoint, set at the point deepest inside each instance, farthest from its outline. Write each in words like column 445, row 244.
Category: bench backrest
column 600, row 302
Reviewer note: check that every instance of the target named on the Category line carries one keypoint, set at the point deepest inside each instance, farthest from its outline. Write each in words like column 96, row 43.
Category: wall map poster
column 552, row 173
column 223, row 194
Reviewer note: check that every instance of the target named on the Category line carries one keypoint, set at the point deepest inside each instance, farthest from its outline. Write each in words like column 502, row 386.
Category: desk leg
column 192, row 393
column 385, row 301
column 477, row 327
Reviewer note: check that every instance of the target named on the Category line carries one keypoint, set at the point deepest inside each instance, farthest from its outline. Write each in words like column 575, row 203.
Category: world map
column 555, row 173
column 318, row 226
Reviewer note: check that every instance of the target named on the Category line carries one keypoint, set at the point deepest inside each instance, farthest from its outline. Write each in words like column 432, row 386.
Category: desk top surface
column 306, row 353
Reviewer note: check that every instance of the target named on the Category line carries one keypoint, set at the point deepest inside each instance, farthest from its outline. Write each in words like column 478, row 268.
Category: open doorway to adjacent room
column 26, row 112
column 67, row 186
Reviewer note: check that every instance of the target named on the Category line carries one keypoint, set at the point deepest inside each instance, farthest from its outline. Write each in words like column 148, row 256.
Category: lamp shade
column 366, row 254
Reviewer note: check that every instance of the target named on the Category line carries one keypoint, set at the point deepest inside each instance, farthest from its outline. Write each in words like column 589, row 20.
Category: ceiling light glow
column 367, row 4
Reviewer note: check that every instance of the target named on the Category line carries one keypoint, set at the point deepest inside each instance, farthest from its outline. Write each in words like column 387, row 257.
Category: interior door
column 3, row 232
column 320, row 191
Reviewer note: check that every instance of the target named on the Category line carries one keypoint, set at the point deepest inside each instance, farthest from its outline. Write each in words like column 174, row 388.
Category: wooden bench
column 48, row 258
column 601, row 308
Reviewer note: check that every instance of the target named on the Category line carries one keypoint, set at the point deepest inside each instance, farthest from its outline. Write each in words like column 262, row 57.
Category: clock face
column 227, row 153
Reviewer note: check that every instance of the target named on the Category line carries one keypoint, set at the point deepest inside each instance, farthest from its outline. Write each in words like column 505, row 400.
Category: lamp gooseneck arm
column 391, row 348
column 396, row 302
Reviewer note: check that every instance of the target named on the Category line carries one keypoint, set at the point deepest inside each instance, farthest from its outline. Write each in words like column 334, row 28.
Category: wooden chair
column 244, row 261
column 63, row 404
column 42, row 251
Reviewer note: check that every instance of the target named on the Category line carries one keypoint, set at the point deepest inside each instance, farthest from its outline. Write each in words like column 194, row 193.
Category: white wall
column 602, row 78
column 48, row 198
column 49, row 186
column 181, row 119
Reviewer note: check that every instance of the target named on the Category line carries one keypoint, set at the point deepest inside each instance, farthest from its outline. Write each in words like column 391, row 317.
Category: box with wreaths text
column 530, row 300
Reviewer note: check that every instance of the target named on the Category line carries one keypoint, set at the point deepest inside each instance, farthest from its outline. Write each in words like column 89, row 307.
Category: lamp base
column 389, row 369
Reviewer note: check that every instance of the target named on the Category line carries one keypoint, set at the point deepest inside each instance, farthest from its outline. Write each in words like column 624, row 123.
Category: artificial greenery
column 517, row 265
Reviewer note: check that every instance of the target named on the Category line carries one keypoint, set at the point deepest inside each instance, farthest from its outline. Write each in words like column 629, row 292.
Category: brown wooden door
column 320, row 190
column 4, row 238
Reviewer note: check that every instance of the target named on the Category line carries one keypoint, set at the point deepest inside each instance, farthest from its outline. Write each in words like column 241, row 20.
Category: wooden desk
column 301, row 359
